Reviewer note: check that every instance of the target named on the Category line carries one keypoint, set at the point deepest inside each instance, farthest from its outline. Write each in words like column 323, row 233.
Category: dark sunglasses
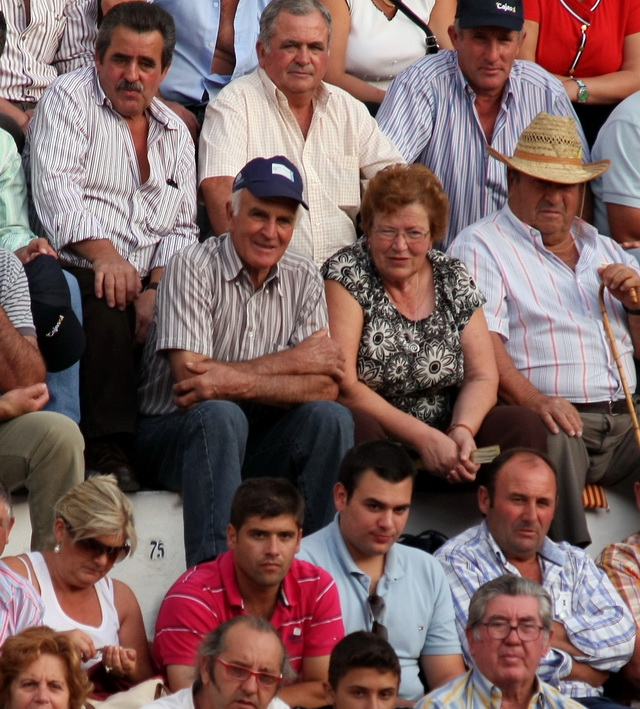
column 96, row 548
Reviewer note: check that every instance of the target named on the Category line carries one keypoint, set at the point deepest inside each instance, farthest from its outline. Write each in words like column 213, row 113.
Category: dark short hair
column 362, row 649
column 489, row 473
column 509, row 585
column 265, row 498
column 3, row 32
column 387, row 459
column 300, row 8
column 141, row 17
column 214, row 644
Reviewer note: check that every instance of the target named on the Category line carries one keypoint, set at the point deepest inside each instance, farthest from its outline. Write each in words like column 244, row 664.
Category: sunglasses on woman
column 96, row 548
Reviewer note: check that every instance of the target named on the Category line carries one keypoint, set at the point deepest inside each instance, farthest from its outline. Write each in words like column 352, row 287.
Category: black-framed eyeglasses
column 96, row 548
column 242, row 674
column 378, row 607
column 500, row 630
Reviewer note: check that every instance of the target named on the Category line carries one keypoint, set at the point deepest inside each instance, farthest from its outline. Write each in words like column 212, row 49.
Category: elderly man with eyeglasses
column 593, row 631
column 241, row 663
column 509, row 631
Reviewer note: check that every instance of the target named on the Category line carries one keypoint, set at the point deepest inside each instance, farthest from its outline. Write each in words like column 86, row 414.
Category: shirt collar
column 288, row 593
column 549, row 551
column 233, row 268
column 493, row 693
column 320, row 99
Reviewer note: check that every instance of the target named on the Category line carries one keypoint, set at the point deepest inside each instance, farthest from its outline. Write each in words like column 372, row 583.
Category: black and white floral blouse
column 416, row 365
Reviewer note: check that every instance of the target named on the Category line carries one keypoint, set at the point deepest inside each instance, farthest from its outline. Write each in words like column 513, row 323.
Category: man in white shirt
column 284, row 108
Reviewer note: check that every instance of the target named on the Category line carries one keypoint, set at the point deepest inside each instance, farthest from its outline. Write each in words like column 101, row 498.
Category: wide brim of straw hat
column 550, row 149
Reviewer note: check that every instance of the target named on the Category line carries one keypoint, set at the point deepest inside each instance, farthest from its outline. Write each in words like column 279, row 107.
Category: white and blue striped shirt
column 594, row 616
column 429, row 113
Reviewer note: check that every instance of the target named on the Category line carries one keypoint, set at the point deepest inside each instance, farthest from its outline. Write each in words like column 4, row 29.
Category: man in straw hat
column 472, row 97
column 540, row 268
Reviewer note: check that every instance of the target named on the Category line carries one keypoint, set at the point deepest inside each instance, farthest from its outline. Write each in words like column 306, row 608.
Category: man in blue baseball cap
column 240, row 375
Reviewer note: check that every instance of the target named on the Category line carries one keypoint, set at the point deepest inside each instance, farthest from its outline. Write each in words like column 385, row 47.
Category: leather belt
column 613, row 408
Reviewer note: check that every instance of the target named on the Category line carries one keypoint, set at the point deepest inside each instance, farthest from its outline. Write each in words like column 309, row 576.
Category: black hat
column 61, row 338
column 490, row 13
column 271, row 177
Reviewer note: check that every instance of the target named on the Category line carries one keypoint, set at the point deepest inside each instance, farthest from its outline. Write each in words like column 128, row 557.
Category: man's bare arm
column 309, row 692
column 21, row 364
column 514, row 388
column 216, row 192
column 180, row 676
column 307, row 372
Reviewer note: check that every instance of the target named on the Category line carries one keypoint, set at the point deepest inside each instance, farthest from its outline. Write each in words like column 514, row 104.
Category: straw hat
column 550, row 149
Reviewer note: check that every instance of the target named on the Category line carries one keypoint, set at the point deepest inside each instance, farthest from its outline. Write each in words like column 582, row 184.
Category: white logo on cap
column 504, row 6
column 282, row 170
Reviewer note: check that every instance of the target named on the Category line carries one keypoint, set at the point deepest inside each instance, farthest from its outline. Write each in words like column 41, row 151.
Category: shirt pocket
column 342, row 180
column 162, row 213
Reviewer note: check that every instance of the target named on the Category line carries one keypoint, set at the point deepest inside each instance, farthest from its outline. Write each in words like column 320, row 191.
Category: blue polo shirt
column 419, row 612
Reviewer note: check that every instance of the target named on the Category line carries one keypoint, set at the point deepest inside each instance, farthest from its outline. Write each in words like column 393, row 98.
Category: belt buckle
column 611, row 408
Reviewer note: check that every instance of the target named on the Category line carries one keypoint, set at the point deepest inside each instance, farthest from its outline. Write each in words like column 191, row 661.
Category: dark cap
column 271, row 177
column 490, row 13
column 61, row 338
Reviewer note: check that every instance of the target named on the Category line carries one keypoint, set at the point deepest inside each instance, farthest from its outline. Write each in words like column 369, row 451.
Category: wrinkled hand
column 211, row 381
column 320, row 354
column 144, row 314
column 35, row 247
column 116, row 280
column 441, row 456
column 187, row 117
column 120, row 661
column 619, row 280
column 82, row 642
column 23, row 401
column 556, row 413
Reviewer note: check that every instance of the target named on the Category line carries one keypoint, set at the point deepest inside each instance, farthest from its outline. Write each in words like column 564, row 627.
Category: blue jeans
column 207, row 450
column 64, row 386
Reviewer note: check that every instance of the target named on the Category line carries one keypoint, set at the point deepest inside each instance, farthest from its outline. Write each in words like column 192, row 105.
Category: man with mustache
column 114, row 187
column 284, row 108
column 540, row 268
column 593, row 631
column 258, row 576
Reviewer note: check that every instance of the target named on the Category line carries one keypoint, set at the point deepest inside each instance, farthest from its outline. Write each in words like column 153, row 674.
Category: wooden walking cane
column 616, row 357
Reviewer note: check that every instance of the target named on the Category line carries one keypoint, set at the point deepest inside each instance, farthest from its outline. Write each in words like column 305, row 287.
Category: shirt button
column 250, row 334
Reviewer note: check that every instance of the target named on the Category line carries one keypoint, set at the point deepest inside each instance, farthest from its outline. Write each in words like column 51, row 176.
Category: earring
column 56, row 548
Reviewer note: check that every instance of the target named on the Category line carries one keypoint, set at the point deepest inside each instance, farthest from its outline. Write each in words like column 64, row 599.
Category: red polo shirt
column 307, row 614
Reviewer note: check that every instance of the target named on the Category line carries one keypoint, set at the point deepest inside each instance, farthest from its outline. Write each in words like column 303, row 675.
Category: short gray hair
column 293, row 7
column 509, row 585
column 214, row 644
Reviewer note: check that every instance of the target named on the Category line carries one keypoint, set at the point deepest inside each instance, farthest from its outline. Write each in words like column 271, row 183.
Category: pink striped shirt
column 547, row 314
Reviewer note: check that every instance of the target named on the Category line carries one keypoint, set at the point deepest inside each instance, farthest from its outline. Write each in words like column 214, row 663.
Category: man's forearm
column 20, row 361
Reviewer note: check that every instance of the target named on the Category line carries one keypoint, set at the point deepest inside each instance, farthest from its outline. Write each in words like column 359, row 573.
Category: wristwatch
column 583, row 91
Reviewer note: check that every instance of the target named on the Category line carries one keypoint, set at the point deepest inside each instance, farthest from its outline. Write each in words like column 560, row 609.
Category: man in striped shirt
column 113, row 177
column 444, row 111
column 240, row 376
column 509, row 631
column 540, row 268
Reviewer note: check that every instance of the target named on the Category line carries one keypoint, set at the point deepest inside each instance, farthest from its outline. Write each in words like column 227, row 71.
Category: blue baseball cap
column 271, row 177
column 490, row 13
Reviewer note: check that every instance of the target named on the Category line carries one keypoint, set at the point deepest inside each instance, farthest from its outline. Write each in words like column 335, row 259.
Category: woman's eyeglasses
column 96, row 548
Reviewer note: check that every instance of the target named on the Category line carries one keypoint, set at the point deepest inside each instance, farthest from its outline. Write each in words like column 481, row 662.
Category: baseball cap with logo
column 490, row 13
column 271, row 177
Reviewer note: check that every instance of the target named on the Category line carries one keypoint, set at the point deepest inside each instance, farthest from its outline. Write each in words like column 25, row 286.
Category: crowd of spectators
column 219, row 273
